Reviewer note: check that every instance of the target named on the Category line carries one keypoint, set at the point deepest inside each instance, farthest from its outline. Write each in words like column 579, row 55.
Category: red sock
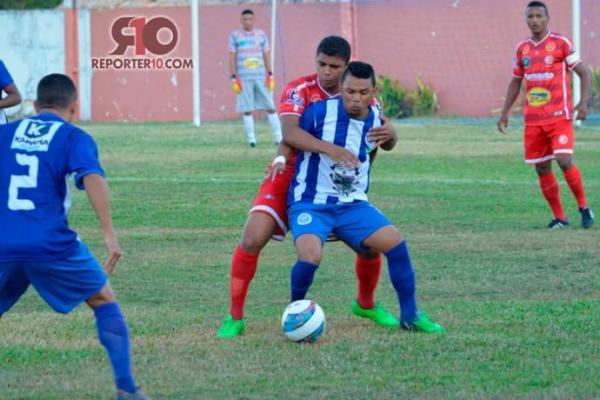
column 551, row 191
column 243, row 268
column 367, row 273
column 573, row 178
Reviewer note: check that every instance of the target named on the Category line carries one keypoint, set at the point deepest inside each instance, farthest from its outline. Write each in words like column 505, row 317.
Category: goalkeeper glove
column 236, row 85
column 270, row 82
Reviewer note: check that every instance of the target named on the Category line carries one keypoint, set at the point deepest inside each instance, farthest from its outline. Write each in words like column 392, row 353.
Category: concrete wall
column 32, row 45
column 463, row 49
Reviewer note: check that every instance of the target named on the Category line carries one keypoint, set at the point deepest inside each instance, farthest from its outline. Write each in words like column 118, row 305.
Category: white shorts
column 254, row 96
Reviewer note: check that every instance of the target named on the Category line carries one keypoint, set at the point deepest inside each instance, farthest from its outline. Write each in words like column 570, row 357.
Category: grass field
column 521, row 303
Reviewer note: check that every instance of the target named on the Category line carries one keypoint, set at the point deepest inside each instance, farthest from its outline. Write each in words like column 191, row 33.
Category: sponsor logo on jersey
column 34, row 134
column 539, row 76
column 549, row 60
column 304, row 219
column 251, row 63
column 551, row 46
column 538, row 96
column 315, row 97
column 526, row 62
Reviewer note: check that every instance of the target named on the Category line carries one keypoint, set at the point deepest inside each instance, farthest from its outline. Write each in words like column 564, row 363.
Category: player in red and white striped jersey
column 544, row 61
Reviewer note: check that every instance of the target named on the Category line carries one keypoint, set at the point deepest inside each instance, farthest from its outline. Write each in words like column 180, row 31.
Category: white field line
column 447, row 181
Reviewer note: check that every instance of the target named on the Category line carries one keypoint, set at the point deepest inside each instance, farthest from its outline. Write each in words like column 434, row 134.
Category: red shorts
column 543, row 142
column 271, row 199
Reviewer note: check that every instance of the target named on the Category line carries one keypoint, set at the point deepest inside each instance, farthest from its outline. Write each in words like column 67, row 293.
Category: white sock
column 249, row 128
column 276, row 126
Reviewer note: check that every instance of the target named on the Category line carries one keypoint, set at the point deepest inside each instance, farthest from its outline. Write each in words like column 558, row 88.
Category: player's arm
column 586, row 83
column 512, row 93
column 284, row 152
column 384, row 136
column 97, row 192
column 13, row 97
column 295, row 136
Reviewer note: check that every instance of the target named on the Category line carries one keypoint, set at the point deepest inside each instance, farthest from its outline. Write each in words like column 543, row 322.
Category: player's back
column 37, row 155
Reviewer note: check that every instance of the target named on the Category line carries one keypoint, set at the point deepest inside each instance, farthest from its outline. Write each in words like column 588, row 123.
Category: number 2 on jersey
column 23, row 181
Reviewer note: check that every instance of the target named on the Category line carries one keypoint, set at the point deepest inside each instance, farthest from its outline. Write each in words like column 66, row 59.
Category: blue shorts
column 352, row 223
column 62, row 284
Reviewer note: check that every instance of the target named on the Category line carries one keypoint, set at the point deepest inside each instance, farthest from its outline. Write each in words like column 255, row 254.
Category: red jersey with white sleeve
column 271, row 198
column 545, row 67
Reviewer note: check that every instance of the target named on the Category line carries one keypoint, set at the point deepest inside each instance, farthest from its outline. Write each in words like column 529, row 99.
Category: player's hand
column 114, row 252
column 382, row 134
column 236, row 85
column 342, row 156
column 503, row 124
column 580, row 111
column 277, row 168
column 270, row 82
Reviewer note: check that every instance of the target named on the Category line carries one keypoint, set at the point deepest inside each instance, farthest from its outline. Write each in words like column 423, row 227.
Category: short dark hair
column 538, row 4
column 247, row 11
column 56, row 91
column 360, row 70
column 335, row 46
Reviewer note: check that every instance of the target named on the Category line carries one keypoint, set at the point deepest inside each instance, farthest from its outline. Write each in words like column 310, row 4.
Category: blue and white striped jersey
column 318, row 179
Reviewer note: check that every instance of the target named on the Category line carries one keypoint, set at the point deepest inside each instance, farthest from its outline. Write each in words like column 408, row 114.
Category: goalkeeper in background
column 251, row 76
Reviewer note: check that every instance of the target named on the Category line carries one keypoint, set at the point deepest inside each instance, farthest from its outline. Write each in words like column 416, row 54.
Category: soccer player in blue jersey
column 7, row 85
column 327, row 197
column 37, row 247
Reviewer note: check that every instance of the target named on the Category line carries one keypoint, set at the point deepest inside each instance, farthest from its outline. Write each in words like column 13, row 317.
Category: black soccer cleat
column 558, row 223
column 587, row 217
column 252, row 144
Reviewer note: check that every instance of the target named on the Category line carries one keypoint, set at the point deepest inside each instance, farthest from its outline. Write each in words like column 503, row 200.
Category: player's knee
column 105, row 295
column 252, row 244
column 310, row 254
column 543, row 169
column 370, row 254
column 564, row 163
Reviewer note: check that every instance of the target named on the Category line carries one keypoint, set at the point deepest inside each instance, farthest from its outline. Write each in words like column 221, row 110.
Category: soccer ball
column 303, row 321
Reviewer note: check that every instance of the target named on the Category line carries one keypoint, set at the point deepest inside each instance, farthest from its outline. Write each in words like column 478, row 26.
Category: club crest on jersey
column 525, row 50
column 344, row 179
column 314, row 98
column 550, row 46
column 34, row 134
column 538, row 96
column 304, row 219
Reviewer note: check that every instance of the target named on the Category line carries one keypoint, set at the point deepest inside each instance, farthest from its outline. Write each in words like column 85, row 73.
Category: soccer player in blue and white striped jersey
column 331, row 197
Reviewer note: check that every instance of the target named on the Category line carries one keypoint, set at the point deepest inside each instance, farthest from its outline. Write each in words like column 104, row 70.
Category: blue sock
column 403, row 279
column 114, row 336
column 301, row 278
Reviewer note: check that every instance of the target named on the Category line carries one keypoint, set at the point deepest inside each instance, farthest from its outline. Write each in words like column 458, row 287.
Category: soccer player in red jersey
column 268, row 216
column 544, row 61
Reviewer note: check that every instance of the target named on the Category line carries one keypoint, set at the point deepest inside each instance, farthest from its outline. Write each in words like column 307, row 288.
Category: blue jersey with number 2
column 37, row 156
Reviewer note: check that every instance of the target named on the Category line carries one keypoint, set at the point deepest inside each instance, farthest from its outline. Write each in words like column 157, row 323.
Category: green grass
column 521, row 303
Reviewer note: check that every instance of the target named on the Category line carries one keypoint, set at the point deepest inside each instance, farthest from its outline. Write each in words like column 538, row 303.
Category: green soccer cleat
column 137, row 395
column 377, row 314
column 231, row 328
column 423, row 324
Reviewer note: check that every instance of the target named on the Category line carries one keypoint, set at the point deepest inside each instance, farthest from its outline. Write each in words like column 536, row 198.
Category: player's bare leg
column 389, row 241
column 257, row 232
column 575, row 181
column 114, row 336
column 551, row 191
